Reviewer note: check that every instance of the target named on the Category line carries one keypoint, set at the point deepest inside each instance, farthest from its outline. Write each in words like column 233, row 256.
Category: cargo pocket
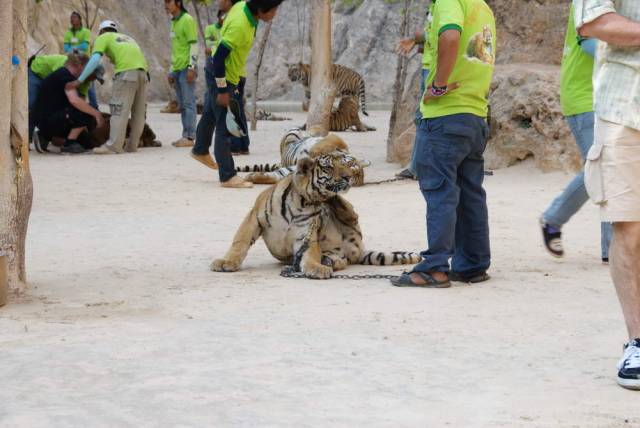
column 593, row 179
column 430, row 184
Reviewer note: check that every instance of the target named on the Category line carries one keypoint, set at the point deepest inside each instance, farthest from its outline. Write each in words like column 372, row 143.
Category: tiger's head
column 298, row 72
column 323, row 177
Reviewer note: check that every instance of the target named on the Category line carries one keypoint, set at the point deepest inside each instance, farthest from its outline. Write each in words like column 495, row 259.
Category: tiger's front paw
column 318, row 272
column 222, row 265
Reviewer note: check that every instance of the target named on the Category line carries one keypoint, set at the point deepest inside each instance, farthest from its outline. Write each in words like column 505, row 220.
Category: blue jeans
column 240, row 144
column 34, row 84
column 575, row 195
column 214, row 118
column 423, row 86
column 451, row 172
column 186, row 97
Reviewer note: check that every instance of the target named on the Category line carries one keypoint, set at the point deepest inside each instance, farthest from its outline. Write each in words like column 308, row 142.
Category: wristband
column 436, row 91
column 221, row 82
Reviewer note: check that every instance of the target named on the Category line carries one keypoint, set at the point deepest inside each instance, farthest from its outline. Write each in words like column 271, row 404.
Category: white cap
column 108, row 24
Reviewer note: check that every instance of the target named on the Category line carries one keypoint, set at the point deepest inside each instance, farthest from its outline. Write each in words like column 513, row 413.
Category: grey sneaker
column 106, row 149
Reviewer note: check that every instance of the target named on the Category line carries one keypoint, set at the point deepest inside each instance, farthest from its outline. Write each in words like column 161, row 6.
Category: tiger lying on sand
column 296, row 145
column 306, row 223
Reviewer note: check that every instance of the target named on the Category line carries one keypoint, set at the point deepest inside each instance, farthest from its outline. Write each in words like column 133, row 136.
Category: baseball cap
column 108, row 24
column 234, row 124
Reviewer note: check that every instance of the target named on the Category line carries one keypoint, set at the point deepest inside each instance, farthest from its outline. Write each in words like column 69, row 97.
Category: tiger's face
column 297, row 72
column 327, row 175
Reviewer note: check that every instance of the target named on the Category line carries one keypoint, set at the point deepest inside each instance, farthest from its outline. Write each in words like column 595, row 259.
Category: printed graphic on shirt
column 480, row 47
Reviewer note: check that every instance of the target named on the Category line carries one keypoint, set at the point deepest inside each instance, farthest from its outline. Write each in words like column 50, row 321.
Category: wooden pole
column 322, row 87
column 16, row 186
column 256, row 76
column 398, row 85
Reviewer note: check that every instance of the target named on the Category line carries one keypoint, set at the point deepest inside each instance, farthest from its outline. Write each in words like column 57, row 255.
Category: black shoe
column 74, row 148
column 406, row 174
column 472, row 278
column 552, row 238
column 629, row 366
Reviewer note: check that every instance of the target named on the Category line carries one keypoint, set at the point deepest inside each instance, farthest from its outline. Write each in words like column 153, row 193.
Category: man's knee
column 627, row 236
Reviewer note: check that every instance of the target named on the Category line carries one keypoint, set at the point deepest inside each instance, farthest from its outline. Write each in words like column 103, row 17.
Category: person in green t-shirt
column 405, row 46
column 183, row 74
column 129, row 91
column 212, row 34
column 78, row 39
column 451, row 139
column 229, row 61
column 576, row 98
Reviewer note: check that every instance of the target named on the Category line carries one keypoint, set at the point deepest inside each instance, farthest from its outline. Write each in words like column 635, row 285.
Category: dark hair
column 108, row 30
column 74, row 13
column 182, row 6
column 263, row 6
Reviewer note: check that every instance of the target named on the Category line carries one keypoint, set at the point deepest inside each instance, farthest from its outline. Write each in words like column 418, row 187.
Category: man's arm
column 614, row 29
column 448, row 44
column 220, row 72
column 80, row 104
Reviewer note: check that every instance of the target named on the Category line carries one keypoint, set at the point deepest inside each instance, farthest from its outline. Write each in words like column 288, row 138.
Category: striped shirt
column 616, row 80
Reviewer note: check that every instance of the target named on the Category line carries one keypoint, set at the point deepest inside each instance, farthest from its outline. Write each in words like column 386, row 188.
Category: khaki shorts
column 612, row 172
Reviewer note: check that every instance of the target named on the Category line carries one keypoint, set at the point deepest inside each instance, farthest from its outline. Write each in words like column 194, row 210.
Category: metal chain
column 288, row 272
column 389, row 180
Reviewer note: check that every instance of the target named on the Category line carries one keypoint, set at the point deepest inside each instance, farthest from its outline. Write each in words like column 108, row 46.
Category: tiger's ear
column 305, row 165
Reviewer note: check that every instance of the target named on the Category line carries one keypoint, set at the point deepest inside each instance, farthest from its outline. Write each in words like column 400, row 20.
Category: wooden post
column 16, row 187
column 398, row 84
column 256, row 75
column 4, row 286
column 322, row 86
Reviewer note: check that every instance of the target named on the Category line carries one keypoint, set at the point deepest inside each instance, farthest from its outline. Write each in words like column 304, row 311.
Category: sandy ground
column 125, row 325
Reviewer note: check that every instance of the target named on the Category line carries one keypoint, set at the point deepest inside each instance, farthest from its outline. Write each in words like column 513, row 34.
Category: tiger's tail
column 379, row 258
column 270, row 177
column 363, row 98
column 258, row 168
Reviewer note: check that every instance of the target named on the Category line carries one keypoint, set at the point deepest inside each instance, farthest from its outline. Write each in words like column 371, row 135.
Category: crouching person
column 129, row 96
column 60, row 112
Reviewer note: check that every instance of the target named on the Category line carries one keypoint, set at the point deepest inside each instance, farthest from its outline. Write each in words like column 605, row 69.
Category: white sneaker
column 629, row 366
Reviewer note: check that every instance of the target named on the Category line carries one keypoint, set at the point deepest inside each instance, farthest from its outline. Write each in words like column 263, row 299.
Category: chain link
column 288, row 272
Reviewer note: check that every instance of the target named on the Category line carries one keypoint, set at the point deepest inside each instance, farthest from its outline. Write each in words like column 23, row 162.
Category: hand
column 223, row 100
column 405, row 46
column 191, row 75
column 99, row 120
column 171, row 79
column 429, row 96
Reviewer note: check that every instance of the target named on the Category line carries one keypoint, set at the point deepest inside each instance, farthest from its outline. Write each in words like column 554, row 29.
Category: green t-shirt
column 44, row 65
column 122, row 50
column 238, row 33
column 75, row 38
column 427, row 54
column 212, row 37
column 476, row 57
column 183, row 34
column 576, row 84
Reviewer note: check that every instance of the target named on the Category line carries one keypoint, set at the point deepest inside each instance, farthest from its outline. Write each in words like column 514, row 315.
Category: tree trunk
column 256, row 75
column 322, row 86
column 398, row 85
column 200, row 28
column 16, row 187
